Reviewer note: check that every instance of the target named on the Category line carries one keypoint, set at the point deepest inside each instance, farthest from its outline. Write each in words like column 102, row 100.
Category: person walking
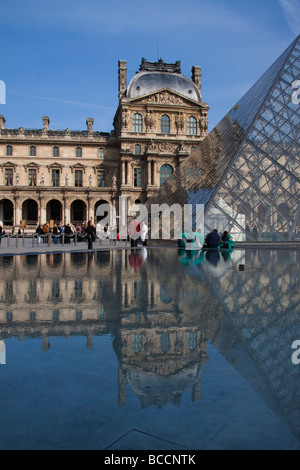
column 91, row 234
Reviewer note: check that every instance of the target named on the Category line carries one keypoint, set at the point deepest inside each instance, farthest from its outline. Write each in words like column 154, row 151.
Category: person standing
column 68, row 234
column 143, row 233
column 39, row 232
column 91, row 234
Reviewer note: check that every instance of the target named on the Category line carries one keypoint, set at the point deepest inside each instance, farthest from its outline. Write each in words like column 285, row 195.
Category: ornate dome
column 157, row 76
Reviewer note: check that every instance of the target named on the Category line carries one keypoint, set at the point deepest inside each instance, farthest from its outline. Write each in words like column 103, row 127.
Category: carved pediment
column 8, row 165
column 78, row 166
column 33, row 165
column 54, row 166
column 100, row 167
column 165, row 97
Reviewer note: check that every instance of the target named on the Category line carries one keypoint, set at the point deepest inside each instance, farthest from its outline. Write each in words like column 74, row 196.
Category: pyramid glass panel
column 247, row 170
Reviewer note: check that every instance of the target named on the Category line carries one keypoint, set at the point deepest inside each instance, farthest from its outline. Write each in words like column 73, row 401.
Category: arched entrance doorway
column 6, row 212
column 30, row 212
column 78, row 212
column 54, row 211
column 99, row 203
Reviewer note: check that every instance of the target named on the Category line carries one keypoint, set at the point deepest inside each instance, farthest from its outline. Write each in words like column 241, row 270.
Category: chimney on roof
column 2, row 122
column 89, row 123
column 46, row 122
column 196, row 77
column 122, row 77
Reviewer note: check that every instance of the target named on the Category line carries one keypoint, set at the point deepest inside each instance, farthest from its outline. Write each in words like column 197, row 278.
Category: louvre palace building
column 64, row 175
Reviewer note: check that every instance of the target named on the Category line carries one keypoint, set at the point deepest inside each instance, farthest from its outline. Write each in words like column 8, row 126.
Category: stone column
column 18, row 211
column 149, row 172
column 66, row 210
column 123, row 172
column 129, row 173
column 154, row 174
column 90, row 212
column 42, row 210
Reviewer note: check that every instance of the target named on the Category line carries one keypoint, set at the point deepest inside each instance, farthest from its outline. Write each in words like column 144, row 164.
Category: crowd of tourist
column 57, row 230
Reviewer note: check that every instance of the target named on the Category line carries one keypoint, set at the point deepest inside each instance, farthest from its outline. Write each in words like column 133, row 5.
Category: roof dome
column 148, row 82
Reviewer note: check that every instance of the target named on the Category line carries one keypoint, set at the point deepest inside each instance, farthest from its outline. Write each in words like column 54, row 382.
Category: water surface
column 153, row 349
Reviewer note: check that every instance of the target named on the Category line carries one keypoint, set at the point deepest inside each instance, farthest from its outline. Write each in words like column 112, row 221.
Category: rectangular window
column 137, row 178
column 55, row 151
column 101, row 178
column 31, row 177
column 32, row 151
column 78, row 152
column 8, row 177
column 55, row 177
column 78, row 178
column 9, row 150
column 101, row 153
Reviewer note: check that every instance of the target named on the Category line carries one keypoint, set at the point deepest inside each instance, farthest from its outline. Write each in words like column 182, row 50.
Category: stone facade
column 62, row 176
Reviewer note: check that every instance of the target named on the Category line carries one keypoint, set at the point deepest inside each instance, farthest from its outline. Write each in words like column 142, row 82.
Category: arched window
column 9, row 150
column 137, row 149
column 137, row 123
column 192, row 125
column 32, row 151
column 165, row 173
column 78, row 152
column 55, row 151
column 165, row 124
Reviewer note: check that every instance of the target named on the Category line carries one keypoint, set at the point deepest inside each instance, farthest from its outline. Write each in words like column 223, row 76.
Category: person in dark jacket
column 91, row 234
column 213, row 239
column 68, row 233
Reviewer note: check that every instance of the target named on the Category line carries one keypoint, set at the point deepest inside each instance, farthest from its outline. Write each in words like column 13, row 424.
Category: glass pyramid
column 246, row 172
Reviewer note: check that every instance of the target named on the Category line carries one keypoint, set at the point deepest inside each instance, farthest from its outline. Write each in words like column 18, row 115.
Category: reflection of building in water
column 264, row 316
column 160, row 333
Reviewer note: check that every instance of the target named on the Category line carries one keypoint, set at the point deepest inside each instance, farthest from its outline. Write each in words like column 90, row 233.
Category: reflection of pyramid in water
column 247, row 170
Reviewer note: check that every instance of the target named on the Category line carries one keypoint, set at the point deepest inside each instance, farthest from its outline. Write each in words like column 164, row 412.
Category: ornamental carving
column 164, row 98
column 166, row 147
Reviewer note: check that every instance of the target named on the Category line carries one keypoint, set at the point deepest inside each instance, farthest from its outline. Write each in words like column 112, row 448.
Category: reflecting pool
column 150, row 349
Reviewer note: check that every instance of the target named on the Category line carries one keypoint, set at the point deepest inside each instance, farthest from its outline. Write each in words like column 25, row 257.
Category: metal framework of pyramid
column 246, row 172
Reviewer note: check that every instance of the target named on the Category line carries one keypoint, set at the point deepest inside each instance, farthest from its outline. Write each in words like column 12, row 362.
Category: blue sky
column 60, row 58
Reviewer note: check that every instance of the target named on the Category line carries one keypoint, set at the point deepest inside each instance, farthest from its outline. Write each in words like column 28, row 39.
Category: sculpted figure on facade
column 42, row 180
column 179, row 122
column 125, row 119
column 203, row 124
column 114, row 182
column 17, row 179
column 66, row 180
